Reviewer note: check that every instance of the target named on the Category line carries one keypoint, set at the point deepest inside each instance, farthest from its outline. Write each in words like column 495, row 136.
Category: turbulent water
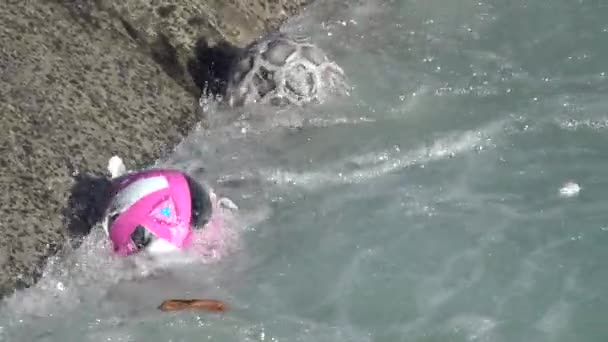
column 424, row 207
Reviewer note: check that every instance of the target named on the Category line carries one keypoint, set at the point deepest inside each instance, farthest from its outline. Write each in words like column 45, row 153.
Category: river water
column 430, row 205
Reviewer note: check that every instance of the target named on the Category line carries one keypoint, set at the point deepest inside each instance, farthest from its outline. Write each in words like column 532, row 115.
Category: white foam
column 475, row 327
column 569, row 189
column 374, row 165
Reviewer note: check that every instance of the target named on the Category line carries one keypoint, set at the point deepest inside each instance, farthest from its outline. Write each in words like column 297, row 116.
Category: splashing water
column 424, row 207
column 219, row 237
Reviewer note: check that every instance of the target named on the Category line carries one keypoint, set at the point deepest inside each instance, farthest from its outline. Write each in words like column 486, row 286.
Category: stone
column 282, row 70
column 171, row 30
column 81, row 81
column 69, row 99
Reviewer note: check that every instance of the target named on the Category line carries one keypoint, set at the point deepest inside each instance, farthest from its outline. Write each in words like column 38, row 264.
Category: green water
column 426, row 207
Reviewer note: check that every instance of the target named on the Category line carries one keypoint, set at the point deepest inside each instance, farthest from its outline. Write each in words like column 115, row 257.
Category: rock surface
column 80, row 81
column 171, row 30
column 282, row 70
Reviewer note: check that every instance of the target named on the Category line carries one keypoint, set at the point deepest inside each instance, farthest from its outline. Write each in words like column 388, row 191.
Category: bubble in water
column 60, row 286
column 569, row 189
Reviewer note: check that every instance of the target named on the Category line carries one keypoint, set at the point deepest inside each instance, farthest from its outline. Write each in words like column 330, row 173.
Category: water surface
column 425, row 207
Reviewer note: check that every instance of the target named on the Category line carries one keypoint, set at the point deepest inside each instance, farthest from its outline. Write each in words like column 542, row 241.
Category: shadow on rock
column 210, row 67
column 85, row 205
column 166, row 55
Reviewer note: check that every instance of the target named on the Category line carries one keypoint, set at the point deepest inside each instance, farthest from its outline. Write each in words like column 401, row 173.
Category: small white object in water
column 226, row 202
column 161, row 246
column 569, row 189
column 60, row 286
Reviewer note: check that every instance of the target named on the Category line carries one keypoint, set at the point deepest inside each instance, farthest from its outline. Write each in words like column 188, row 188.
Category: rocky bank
column 81, row 80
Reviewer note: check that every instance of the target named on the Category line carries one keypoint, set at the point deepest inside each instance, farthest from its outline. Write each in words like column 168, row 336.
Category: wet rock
column 69, row 98
column 171, row 30
column 282, row 70
column 81, row 81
